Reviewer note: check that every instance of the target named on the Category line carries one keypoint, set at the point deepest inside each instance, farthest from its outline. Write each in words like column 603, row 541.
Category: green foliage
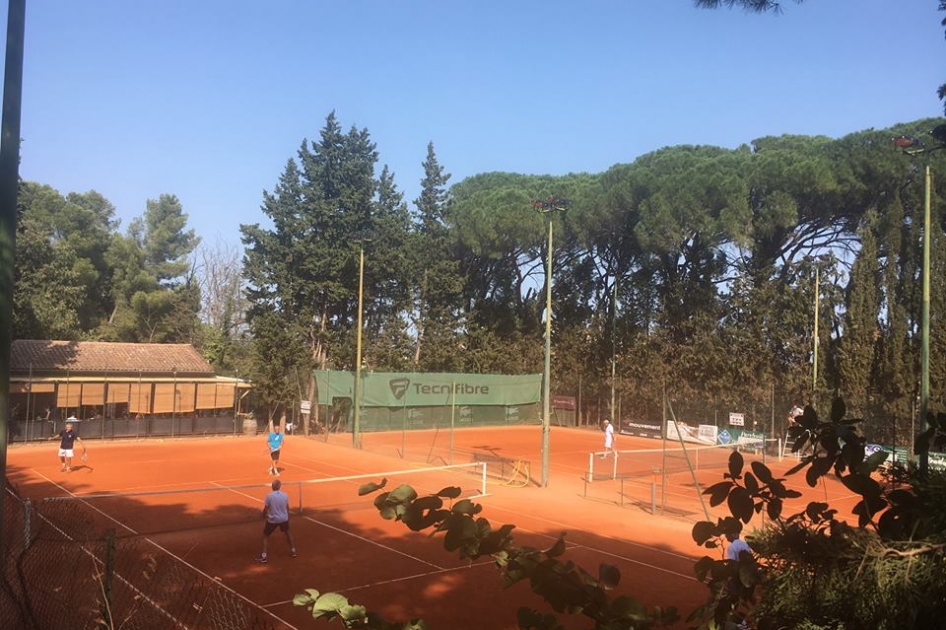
column 813, row 569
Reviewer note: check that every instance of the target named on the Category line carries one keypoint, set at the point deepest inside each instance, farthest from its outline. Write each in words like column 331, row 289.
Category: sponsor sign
column 750, row 439
column 724, row 437
column 393, row 389
column 642, row 429
column 680, row 431
column 305, row 406
column 708, row 433
column 737, row 419
column 564, row 402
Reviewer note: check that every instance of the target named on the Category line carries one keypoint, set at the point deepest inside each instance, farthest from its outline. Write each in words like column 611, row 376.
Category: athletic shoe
column 293, row 554
column 262, row 559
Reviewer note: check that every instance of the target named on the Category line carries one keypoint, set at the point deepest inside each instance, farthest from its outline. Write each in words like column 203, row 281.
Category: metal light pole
column 913, row 146
column 547, row 207
column 614, row 315
column 356, row 402
column 925, row 318
column 814, row 365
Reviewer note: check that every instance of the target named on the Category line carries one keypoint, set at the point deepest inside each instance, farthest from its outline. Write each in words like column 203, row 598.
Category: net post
column 483, row 481
column 780, row 449
column 614, row 466
column 653, row 491
column 591, row 466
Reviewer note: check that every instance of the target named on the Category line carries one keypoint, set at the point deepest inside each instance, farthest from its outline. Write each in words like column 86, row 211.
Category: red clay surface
column 345, row 547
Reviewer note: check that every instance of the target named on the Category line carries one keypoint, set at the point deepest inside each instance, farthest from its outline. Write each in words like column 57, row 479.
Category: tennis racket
column 85, row 456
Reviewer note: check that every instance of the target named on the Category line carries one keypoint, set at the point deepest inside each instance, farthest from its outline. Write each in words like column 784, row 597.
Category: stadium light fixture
column 547, row 207
column 913, row 146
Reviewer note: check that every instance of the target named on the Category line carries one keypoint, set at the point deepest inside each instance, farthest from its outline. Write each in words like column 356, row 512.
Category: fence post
column 27, row 523
column 653, row 491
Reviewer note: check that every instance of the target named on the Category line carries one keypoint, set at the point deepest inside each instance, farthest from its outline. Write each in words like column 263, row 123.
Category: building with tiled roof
column 168, row 384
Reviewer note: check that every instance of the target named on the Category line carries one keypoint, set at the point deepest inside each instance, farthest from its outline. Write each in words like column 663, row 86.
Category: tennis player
column 736, row 545
column 608, row 437
column 276, row 513
column 274, row 440
column 67, row 439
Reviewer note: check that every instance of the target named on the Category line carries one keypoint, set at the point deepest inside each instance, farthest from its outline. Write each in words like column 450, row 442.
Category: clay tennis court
column 345, row 547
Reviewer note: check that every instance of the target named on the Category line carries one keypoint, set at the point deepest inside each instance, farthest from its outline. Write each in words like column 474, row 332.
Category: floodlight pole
column 547, row 207
column 925, row 320
column 814, row 364
column 913, row 146
column 356, row 402
column 614, row 315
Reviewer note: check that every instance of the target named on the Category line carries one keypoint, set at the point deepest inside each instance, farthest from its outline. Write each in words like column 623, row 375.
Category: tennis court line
column 376, row 544
column 361, row 538
column 396, row 580
column 121, row 578
column 169, row 553
column 630, row 543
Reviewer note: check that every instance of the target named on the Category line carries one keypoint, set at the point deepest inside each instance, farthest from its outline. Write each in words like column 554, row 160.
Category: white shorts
column 65, row 452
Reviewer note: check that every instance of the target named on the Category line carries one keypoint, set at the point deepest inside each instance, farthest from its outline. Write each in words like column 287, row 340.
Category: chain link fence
column 62, row 569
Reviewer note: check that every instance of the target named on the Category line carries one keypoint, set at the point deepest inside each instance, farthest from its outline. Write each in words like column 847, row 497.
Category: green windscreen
column 413, row 389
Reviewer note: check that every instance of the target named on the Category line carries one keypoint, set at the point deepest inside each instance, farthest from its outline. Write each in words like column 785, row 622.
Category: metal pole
column 356, row 423
column 814, row 366
column 9, row 181
column 925, row 322
column 614, row 314
column 546, row 386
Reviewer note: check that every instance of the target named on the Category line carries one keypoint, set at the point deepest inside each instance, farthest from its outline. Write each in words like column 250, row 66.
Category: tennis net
column 670, row 460
column 148, row 512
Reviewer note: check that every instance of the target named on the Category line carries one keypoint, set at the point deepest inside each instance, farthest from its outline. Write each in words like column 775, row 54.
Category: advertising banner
column 640, row 428
column 399, row 389
column 680, row 431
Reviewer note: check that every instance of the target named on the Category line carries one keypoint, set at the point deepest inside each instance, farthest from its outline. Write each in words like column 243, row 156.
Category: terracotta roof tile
column 100, row 356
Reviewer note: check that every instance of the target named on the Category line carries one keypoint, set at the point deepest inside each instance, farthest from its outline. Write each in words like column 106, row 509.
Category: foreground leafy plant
column 814, row 570
column 565, row 586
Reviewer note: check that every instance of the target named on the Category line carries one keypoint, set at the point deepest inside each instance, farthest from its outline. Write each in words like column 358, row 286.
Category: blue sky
column 208, row 99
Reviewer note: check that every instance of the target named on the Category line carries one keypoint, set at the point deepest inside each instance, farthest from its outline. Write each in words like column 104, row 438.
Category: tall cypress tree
column 305, row 269
column 436, row 283
column 861, row 329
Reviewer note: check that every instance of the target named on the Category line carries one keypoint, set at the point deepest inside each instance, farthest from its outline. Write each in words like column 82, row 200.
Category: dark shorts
column 274, row 455
column 269, row 528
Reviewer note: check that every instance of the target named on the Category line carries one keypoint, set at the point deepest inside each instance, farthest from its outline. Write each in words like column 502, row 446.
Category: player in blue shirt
column 275, row 443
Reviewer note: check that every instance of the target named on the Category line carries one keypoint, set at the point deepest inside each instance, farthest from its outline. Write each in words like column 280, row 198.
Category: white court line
column 572, row 527
column 549, row 521
column 567, row 526
column 175, row 556
column 396, row 580
column 347, row 533
column 376, row 544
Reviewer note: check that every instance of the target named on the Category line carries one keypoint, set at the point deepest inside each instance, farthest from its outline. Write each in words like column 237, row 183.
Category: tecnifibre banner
column 400, row 389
